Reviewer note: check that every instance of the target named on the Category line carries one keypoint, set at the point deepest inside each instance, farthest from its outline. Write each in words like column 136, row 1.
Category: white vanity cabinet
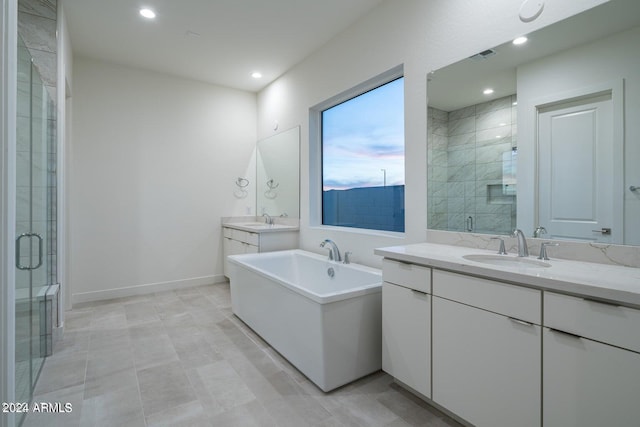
column 236, row 241
column 406, row 324
column 486, row 350
column 591, row 359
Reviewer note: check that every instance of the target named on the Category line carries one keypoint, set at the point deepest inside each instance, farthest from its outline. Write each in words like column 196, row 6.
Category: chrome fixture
column 242, row 182
column 267, row 218
column 347, row 257
column 523, row 250
column 469, row 222
column 272, row 184
column 543, row 250
column 502, row 250
column 539, row 231
column 634, row 188
column 334, row 253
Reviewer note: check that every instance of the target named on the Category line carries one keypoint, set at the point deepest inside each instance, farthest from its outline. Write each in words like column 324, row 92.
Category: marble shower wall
column 37, row 25
column 471, row 161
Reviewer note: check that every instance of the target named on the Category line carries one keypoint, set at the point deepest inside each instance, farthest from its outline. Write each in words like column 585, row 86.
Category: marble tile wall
column 466, row 153
column 37, row 23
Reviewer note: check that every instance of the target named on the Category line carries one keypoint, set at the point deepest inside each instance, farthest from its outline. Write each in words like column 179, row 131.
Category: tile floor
column 181, row 358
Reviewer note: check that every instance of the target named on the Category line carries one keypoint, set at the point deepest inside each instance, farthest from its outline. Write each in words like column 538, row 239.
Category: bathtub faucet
column 334, row 252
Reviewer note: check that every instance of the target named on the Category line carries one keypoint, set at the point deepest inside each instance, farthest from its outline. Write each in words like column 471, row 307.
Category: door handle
column 40, row 251
column 603, row 231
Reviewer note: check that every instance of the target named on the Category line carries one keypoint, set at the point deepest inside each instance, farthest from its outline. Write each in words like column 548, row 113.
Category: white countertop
column 260, row 227
column 608, row 282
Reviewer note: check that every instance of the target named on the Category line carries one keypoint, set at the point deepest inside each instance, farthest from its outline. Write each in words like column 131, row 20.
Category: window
column 362, row 142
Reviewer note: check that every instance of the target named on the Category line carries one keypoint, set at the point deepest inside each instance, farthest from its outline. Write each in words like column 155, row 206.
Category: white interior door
column 576, row 170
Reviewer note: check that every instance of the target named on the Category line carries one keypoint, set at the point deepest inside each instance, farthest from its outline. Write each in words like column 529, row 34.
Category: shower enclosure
column 35, row 245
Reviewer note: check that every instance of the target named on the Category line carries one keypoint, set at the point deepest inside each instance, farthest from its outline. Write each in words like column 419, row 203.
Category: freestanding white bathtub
column 322, row 316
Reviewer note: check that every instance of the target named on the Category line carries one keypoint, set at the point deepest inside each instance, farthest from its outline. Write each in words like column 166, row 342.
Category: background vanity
column 277, row 200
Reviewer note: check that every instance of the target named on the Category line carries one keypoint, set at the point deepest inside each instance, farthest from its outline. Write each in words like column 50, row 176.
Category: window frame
column 315, row 150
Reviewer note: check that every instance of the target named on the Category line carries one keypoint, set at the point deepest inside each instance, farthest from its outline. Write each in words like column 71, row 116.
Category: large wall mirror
column 556, row 144
column 278, row 174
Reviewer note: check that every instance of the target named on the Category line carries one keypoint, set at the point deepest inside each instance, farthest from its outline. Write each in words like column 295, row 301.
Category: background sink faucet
column 267, row 218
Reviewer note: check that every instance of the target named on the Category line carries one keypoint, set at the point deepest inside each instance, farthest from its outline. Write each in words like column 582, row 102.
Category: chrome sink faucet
column 267, row 218
column 334, row 252
column 523, row 250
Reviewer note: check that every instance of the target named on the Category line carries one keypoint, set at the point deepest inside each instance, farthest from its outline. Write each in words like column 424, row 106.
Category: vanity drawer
column 604, row 322
column 411, row 276
column 502, row 298
column 242, row 236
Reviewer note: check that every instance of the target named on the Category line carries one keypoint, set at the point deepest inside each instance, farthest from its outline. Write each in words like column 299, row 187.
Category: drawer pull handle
column 419, row 292
column 612, row 304
column 569, row 334
column 520, row 322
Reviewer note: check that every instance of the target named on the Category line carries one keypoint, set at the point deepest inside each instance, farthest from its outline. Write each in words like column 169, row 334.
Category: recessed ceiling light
column 256, row 75
column 488, row 91
column 147, row 13
column 520, row 40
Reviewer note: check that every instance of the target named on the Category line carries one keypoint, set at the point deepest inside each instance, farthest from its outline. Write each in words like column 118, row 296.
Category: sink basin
column 507, row 261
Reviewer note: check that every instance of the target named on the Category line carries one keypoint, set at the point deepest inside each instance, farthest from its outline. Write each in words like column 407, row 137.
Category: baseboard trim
column 146, row 289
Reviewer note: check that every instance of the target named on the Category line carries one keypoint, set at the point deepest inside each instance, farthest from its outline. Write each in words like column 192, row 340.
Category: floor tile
column 115, row 408
column 189, row 414
column 181, row 358
column 163, row 387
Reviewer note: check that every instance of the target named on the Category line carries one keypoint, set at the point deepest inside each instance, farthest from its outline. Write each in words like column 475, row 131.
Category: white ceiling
column 461, row 84
column 215, row 41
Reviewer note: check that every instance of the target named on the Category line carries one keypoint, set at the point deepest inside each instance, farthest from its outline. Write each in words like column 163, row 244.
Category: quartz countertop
column 260, row 227
column 608, row 282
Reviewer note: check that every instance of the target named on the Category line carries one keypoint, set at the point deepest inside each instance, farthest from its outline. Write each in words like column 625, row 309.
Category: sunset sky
column 362, row 136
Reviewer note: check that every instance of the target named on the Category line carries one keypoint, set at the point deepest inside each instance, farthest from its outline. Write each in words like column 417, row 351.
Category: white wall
column 421, row 34
column 152, row 169
column 608, row 60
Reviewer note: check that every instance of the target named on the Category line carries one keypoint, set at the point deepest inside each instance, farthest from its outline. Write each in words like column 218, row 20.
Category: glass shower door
column 32, row 209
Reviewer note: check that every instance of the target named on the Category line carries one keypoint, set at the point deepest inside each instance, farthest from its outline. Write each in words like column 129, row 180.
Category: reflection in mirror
column 278, row 174
column 556, row 146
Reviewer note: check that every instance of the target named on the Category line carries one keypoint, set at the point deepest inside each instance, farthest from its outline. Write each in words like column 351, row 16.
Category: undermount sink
column 507, row 261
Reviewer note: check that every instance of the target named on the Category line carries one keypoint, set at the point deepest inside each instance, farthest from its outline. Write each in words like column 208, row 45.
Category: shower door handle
column 40, row 252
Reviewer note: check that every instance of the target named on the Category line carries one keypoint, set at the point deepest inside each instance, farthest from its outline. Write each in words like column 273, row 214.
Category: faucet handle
column 502, row 250
column 347, row 257
column 543, row 249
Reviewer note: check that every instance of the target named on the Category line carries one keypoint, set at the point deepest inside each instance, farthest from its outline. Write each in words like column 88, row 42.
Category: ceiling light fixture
column 256, row 74
column 147, row 13
column 520, row 40
column 488, row 91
